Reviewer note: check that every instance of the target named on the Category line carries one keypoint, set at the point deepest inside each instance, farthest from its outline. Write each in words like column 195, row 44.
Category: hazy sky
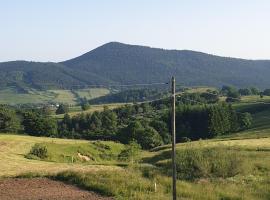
column 55, row 30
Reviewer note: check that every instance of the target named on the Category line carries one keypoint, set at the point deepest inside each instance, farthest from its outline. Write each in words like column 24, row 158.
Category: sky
column 57, row 30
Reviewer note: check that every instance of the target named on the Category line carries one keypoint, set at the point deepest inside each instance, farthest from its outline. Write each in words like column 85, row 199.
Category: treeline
column 134, row 95
column 195, row 122
column 233, row 94
column 150, row 126
column 147, row 123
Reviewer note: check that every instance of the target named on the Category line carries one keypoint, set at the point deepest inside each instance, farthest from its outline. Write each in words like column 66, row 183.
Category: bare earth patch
column 43, row 189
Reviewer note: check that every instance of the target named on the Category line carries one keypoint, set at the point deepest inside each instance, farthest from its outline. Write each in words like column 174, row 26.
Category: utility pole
column 173, row 140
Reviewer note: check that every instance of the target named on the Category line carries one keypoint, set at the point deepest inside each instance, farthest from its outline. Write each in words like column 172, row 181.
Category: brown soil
column 43, row 189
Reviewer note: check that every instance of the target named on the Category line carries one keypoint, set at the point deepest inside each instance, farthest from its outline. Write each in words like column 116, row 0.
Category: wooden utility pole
column 173, row 140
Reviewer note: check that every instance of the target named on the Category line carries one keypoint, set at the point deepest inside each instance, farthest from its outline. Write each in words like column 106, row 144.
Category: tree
column 148, row 138
column 245, row 92
column 266, row 92
column 254, row 91
column 233, row 96
column 131, row 152
column 39, row 125
column 9, row 121
column 245, row 120
column 162, row 128
column 130, row 132
column 226, row 89
column 85, row 106
column 109, row 122
column 62, row 109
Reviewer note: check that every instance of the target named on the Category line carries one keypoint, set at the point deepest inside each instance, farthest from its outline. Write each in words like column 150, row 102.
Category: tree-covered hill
column 23, row 74
column 117, row 63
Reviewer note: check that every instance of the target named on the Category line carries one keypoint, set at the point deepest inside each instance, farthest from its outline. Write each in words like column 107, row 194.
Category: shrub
column 195, row 163
column 85, row 106
column 245, row 120
column 62, row 109
column 131, row 152
column 39, row 150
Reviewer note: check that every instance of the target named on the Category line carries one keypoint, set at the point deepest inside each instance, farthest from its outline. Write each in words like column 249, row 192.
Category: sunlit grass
column 13, row 149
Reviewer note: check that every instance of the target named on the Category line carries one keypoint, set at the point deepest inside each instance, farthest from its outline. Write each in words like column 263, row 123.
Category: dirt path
column 43, row 189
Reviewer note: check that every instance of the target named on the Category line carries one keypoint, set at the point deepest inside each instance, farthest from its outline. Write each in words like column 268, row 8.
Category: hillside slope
column 138, row 64
column 117, row 63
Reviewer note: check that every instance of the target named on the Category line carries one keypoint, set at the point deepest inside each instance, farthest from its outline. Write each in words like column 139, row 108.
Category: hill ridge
column 119, row 63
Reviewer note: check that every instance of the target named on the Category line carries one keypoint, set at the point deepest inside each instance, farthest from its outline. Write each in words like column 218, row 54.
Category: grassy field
column 246, row 153
column 13, row 149
column 200, row 89
column 76, row 110
column 103, row 175
column 92, row 93
column 11, row 96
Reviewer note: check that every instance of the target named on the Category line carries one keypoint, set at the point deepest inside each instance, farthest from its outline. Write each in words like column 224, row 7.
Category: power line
column 115, row 85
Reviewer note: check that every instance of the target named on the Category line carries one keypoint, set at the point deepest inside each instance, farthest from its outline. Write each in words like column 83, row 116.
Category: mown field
column 13, row 97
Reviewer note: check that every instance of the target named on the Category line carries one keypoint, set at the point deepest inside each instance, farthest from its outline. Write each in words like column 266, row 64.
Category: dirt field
column 43, row 189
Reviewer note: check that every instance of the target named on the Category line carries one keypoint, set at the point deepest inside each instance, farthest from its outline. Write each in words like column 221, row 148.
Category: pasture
column 235, row 166
column 104, row 175
column 14, row 148
column 12, row 97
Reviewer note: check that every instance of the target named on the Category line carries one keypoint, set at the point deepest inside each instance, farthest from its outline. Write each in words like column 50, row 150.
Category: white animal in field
column 82, row 157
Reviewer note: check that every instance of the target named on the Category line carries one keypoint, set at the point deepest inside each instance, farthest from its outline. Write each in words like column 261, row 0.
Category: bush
column 39, row 150
column 131, row 152
column 62, row 109
column 245, row 120
column 195, row 163
column 85, row 106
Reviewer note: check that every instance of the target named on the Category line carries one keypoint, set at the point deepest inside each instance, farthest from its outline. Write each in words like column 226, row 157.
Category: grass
column 99, row 152
column 13, row 149
column 201, row 89
column 138, row 181
column 92, row 93
column 139, row 184
column 77, row 110
column 221, row 178
column 64, row 96
column 252, row 98
column 12, row 96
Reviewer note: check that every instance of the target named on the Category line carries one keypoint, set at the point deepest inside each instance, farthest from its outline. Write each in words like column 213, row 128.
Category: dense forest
column 146, row 123
column 115, row 63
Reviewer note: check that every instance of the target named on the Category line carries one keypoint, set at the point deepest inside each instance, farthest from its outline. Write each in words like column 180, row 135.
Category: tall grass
column 223, row 162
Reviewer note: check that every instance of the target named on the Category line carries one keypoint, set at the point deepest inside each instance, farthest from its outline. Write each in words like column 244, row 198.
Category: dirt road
column 43, row 189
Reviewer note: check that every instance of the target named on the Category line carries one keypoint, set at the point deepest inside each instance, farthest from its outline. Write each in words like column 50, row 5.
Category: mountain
column 117, row 63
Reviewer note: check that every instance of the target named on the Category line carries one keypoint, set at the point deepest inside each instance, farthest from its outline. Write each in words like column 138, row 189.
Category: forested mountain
column 117, row 63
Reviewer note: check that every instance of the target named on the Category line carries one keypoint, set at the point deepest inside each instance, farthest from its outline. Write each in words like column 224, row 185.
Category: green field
column 137, row 182
column 13, row 149
column 76, row 110
column 12, row 96
column 92, row 93
column 233, row 167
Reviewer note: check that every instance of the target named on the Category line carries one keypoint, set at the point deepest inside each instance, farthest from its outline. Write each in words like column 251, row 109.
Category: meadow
column 106, row 175
column 235, row 166
column 12, row 96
